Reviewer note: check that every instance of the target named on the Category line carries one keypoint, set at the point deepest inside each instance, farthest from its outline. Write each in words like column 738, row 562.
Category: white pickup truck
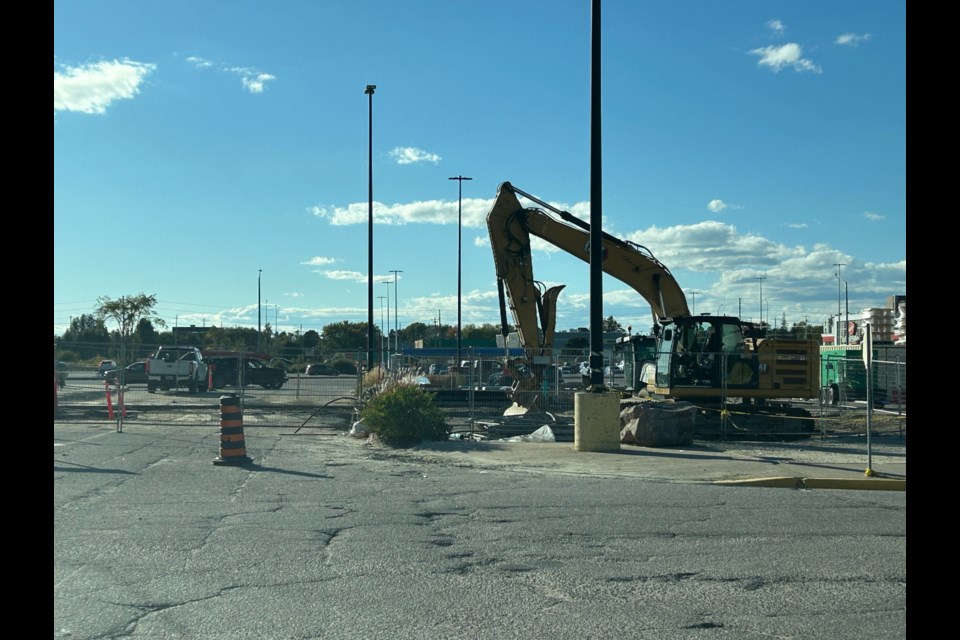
column 173, row 367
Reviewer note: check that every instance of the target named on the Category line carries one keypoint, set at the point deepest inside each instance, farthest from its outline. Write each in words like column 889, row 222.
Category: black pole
column 369, row 91
column 596, row 210
column 460, row 180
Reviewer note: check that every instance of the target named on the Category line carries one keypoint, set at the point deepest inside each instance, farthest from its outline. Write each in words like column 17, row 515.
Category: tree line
column 127, row 328
column 137, row 332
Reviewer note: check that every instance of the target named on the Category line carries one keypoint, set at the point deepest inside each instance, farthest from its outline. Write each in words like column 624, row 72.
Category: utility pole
column 380, row 298
column 386, row 282
column 836, row 329
column 460, row 180
column 846, row 317
column 396, row 308
column 761, row 279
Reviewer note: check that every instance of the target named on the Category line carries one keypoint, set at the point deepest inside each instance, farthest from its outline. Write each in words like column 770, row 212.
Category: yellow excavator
column 722, row 364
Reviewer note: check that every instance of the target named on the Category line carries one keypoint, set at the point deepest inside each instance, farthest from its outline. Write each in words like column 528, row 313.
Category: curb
column 865, row 484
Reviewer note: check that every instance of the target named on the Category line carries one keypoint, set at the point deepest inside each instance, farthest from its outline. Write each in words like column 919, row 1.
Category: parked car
column 135, row 373
column 501, row 380
column 322, row 370
column 62, row 373
column 255, row 372
column 481, row 369
column 613, row 369
column 505, row 380
column 104, row 366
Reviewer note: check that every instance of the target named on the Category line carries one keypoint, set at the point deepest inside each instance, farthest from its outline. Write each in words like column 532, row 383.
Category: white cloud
column 92, row 88
column 776, row 26
column 869, row 215
column 318, row 260
column 716, row 205
column 411, row 155
column 252, row 80
column 199, row 62
column 473, row 212
column 851, row 39
column 797, row 225
column 352, row 276
column 713, row 246
column 788, row 55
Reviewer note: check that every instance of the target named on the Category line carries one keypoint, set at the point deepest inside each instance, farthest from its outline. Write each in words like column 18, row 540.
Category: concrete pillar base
column 596, row 421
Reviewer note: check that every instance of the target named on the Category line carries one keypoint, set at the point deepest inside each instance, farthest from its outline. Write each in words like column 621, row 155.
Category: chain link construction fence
column 474, row 390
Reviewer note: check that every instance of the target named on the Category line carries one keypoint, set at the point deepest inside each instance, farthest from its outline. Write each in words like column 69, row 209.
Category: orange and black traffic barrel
column 233, row 448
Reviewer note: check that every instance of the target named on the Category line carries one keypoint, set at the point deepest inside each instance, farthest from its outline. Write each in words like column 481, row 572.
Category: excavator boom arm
column 510, row 226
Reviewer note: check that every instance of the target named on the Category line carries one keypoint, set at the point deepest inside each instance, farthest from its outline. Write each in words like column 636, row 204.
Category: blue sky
column 203, row 150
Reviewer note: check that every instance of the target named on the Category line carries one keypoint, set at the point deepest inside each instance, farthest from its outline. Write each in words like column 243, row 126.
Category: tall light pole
column 846, row 317
column 460, row 180
column 387, row 282
column 836, row 329
column 761, row 279
column 259, row 275
column 380, row 298
column 369, row 92
column 396, row 308
column 694, row 294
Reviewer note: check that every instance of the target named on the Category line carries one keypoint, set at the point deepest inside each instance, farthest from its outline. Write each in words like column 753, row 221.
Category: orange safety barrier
column 106, row 386
column 233, row 448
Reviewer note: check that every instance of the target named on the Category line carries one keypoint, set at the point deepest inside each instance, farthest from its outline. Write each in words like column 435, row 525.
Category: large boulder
column 657, row 423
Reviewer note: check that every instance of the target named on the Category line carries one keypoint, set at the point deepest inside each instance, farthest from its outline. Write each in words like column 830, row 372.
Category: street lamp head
column 370, row 89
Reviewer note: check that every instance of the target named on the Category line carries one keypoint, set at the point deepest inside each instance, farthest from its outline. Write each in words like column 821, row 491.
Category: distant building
column 192, row 330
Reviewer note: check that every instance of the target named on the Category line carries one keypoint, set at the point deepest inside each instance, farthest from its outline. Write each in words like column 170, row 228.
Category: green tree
column 127, row 312
column 345, row 336
column 311, row 339
column 87, row 337
column 145, row 333
column 417, row 331
column 485, row 331
column 612, row 325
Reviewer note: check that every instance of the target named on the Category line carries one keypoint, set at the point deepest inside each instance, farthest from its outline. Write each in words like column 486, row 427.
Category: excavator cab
column 697, row 355
column 707, row 358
